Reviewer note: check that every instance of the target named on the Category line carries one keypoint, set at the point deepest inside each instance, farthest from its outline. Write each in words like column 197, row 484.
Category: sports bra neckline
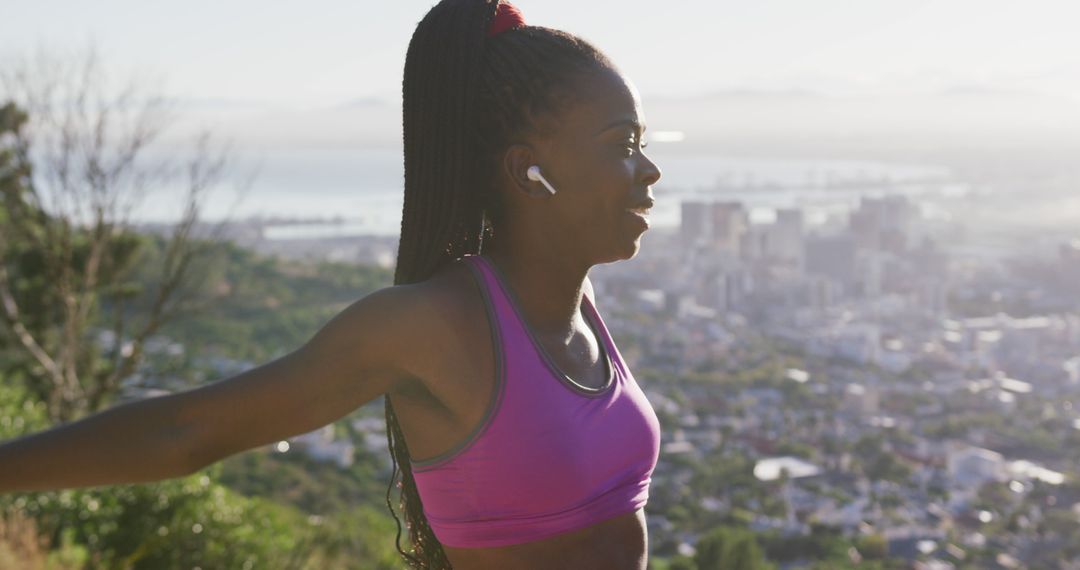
column 590, row 322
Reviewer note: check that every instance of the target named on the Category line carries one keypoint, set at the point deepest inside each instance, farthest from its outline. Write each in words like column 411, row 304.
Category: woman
column 522, row 439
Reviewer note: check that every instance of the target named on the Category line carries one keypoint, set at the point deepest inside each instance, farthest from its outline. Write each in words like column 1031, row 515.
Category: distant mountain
column 958, row 113
column 216, row 103
column 755, row 94
column 984, row 91
column 363, row 103
column 782, row 122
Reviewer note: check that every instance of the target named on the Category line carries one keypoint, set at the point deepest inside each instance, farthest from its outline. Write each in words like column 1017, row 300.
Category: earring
column 486, row 227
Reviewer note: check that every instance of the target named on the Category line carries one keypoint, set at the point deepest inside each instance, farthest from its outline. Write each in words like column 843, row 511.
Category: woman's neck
column 548, row 287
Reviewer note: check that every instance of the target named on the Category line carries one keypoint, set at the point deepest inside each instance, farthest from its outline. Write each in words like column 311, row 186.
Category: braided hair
column 466, row 98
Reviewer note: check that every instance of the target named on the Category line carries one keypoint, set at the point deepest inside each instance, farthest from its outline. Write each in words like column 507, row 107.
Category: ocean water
column 362, row 188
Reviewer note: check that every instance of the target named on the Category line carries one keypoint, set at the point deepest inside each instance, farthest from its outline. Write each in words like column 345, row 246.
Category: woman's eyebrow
column 622, row 122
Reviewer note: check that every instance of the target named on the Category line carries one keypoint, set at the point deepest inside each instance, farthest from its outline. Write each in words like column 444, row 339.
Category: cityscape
column 878, row 372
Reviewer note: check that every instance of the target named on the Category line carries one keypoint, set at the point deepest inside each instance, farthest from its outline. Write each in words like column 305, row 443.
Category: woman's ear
column 516, row 162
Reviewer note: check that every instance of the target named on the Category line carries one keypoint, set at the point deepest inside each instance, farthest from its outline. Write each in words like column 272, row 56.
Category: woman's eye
column 630, row 144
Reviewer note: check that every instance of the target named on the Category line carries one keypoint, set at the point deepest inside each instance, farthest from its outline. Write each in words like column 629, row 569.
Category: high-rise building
column 757, row 242
column 933, row 295
column 788, row 235
column 883, row 223
column 832, row 256
column 821, row 292
column 695, row 223
column 730, row 221
column 1069, row 267
column 730, row 288
column 870, row 267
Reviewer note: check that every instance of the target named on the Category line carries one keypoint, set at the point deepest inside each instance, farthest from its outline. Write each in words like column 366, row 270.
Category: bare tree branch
column 93, row 143
column 12, row 316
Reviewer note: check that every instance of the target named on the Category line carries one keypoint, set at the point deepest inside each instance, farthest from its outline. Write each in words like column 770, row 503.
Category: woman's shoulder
column 444, row 305
column 450, row 295
column 447, row 288
column 447, row 321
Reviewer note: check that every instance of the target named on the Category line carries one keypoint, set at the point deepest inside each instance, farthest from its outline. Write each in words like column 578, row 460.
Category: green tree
column 727, row 548
column 682, row 563
column 873, row 547
column 64, row 279
column 713, row 548
column 747, row 555
column 66, row 245
column 187, row 522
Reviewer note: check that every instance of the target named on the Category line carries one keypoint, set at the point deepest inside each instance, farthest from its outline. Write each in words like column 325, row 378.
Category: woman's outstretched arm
column 136, row 442
column 356, row 357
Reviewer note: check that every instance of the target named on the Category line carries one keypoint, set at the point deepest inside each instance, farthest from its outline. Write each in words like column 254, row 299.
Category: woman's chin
column 630, row 248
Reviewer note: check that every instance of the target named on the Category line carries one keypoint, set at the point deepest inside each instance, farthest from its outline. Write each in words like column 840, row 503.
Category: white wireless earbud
column 534, row 174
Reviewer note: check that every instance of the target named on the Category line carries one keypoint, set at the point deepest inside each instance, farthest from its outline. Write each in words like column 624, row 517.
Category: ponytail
column 465, row 97
column 441, row 205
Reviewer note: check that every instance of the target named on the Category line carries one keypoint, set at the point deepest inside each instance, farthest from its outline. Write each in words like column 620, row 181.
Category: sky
column 899, row 79
column 316, row 53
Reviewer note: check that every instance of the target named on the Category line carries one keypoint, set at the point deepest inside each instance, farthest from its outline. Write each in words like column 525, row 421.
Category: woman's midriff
column 620, row 543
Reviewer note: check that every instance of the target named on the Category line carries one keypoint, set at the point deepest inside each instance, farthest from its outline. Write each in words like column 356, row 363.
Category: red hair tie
column 506, row 16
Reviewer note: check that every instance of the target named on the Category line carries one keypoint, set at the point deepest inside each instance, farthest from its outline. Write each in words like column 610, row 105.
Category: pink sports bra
column 550, row 455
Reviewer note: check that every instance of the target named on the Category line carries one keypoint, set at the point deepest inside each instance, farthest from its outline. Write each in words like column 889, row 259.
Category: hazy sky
column 316, row 53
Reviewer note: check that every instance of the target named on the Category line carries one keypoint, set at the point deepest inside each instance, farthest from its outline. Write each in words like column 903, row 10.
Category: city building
column 832, row 256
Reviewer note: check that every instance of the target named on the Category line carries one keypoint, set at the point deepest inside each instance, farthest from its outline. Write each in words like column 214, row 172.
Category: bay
column 315, row 192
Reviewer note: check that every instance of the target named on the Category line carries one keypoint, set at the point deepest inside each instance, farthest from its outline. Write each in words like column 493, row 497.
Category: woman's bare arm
column 136, row 442
column 356, row 357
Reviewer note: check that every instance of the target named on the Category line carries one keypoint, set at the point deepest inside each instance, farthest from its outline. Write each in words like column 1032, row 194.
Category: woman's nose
column 651, row 172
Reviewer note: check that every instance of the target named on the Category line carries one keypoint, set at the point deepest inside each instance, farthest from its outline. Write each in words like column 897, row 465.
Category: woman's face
column 591, row 153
